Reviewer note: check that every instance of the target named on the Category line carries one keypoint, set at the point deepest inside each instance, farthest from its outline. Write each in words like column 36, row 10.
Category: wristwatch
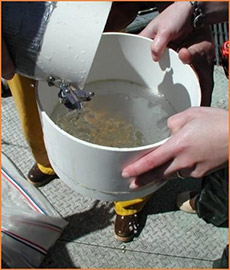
column 198, row 17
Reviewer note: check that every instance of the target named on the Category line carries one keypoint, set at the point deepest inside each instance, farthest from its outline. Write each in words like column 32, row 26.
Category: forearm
column 162, row 5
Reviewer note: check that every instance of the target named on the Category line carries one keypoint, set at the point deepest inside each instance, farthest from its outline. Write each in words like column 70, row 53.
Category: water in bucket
column 122, row 114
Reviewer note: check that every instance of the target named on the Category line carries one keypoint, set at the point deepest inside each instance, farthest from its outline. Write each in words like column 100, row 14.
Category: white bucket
column 95, row 170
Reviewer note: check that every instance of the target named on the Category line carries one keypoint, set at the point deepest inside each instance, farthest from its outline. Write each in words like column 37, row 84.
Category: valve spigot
column 71, row 97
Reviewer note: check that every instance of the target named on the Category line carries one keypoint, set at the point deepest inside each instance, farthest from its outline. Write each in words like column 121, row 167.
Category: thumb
column 185, row 56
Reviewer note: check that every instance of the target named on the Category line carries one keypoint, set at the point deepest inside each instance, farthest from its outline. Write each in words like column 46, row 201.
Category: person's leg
column 212, row 206
column 127, row 217
column 23, row 92
column 212, row 203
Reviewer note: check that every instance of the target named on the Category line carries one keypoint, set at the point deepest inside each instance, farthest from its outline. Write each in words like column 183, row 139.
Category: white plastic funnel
column 95, row 170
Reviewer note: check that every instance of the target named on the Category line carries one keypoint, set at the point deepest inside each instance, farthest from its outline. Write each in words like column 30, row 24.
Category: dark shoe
column 38, row 178
column 186, row 201
column 126, row 227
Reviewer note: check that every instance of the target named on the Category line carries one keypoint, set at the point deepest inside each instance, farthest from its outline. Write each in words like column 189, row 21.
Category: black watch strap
column 198, row 17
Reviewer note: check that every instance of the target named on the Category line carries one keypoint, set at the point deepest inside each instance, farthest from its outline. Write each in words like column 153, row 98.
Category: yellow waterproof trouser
column 23, row 92
column 131, row 207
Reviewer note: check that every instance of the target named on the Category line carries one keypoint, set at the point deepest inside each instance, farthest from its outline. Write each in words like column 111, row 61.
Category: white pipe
column 54, row 38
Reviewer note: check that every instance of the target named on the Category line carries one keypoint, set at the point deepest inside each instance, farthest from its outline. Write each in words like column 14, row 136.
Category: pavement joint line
column 137, row 251
column 18, row 169
column 3, row 142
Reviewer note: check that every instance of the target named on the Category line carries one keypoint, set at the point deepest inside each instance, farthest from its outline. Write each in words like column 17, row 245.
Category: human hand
column 174, row 29
column 8, row 68
column 199, row 52
column 198, row 145
column 171, row 24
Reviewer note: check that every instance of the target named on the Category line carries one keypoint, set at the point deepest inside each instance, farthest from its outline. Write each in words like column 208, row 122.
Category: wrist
column 185, row 8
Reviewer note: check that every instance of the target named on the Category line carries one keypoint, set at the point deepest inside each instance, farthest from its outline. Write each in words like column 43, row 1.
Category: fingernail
column 125, row 174
column 133, row 185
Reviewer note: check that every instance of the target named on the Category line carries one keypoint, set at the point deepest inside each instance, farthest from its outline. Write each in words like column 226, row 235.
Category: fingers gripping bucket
column 95, row 170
